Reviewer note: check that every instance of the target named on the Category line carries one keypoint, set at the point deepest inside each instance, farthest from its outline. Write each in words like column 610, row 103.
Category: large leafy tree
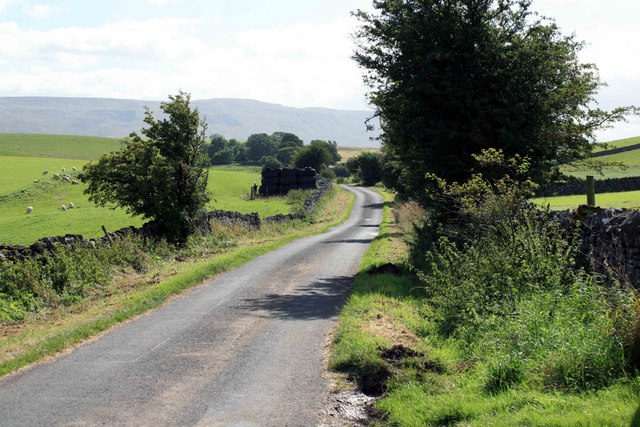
column 451, row 78
column 331, row 147
column 260, row 145
column 162, row 176
column 286, row 139
column 315, row 156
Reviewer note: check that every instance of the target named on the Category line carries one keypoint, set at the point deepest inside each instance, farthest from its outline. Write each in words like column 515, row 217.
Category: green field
column 619, row 143
column 56, row 146
column 631, row 159
column 609, row 172
column 629, row 199
column 230, row 188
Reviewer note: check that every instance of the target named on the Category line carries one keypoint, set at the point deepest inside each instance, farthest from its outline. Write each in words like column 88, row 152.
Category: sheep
column 44, row 172
column 56, row 176
column 29, row 209
column 71, row 205
column 64, row 170
column 66, row 178
column 35, row 181
column 63, row 208
column 75, row 182
column 75, row 169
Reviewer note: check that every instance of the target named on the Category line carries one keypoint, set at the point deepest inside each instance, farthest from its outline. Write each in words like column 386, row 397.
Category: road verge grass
column 131, row 292
column 390, row 343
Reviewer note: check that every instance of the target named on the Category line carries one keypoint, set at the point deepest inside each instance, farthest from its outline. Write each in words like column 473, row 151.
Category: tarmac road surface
column 246, row 348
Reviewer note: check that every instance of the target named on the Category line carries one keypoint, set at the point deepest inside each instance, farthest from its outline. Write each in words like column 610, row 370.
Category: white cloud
column 76, row 47
column 298, row 65
column 42, row 10
column 4, row 4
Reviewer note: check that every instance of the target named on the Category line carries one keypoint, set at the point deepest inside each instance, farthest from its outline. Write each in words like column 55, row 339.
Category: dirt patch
column 375, row 383
column 398, row 352
column 350, row 408
column 387, row 268
column 387, row 328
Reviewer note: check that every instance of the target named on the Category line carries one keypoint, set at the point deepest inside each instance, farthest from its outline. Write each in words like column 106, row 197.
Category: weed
column 503, row 373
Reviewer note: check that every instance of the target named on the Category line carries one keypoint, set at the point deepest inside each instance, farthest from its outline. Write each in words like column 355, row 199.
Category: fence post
column 591, row 190
column 107, row 235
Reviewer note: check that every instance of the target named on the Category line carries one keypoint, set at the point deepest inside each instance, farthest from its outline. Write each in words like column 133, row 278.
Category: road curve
column 245, row 348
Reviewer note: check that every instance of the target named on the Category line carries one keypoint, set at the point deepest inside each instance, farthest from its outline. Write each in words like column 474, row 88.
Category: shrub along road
column 246, row 348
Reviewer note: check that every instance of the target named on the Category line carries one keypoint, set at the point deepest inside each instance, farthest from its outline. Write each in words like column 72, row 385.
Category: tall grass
column 524, row 308
column 508, row 329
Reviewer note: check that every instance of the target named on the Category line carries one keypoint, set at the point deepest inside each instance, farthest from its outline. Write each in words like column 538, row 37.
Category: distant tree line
column 280, row 149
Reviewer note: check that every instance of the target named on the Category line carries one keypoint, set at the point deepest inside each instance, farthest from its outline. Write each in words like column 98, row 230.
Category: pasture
column 630, row 159
column 629, row 199
column 56, row 146
column 47, row 196
column 619, row 143
column 230, row 187
column 631, row 162
column 348, row 152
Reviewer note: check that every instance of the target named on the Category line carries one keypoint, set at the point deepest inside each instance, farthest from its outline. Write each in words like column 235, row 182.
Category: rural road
column 247, row 348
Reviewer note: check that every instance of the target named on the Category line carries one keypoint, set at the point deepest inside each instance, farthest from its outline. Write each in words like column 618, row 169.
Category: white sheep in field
column 44, row 172
column 75, row 169
column 56, row 176
column 66, row 178
column 63, row 208
column 29, row 209
column 71, row 205
column 75, row 182
column 64, row 170
column 35, row 181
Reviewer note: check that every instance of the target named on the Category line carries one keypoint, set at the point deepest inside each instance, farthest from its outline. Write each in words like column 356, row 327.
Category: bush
column 162, row 176
column 366, row 167
column 67, row 274
column 327, row 174
column 503, row 280
column 341, row 171
column 270, row 162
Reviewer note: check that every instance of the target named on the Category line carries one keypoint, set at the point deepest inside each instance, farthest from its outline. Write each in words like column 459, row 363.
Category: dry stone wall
column 610, row 240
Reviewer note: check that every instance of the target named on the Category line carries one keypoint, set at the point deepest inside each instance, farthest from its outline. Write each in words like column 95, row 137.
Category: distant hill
column 233, row 118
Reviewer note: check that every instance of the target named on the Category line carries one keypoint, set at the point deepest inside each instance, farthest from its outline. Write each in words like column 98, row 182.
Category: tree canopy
column 260, row 145
column 451, row 78
column 315, row 156
column 331, row 147
column 367, row 167
column 163, row 176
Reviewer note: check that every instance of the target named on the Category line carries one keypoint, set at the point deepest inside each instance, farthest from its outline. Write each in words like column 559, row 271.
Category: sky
column 291, row 52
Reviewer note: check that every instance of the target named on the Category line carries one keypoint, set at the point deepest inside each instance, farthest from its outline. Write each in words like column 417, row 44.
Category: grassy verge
column 130, row 293
column 389, row 341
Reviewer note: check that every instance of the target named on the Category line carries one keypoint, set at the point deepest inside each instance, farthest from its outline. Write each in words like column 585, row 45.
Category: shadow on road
column 318, row 300
column 363, row 241
column 377, row 205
